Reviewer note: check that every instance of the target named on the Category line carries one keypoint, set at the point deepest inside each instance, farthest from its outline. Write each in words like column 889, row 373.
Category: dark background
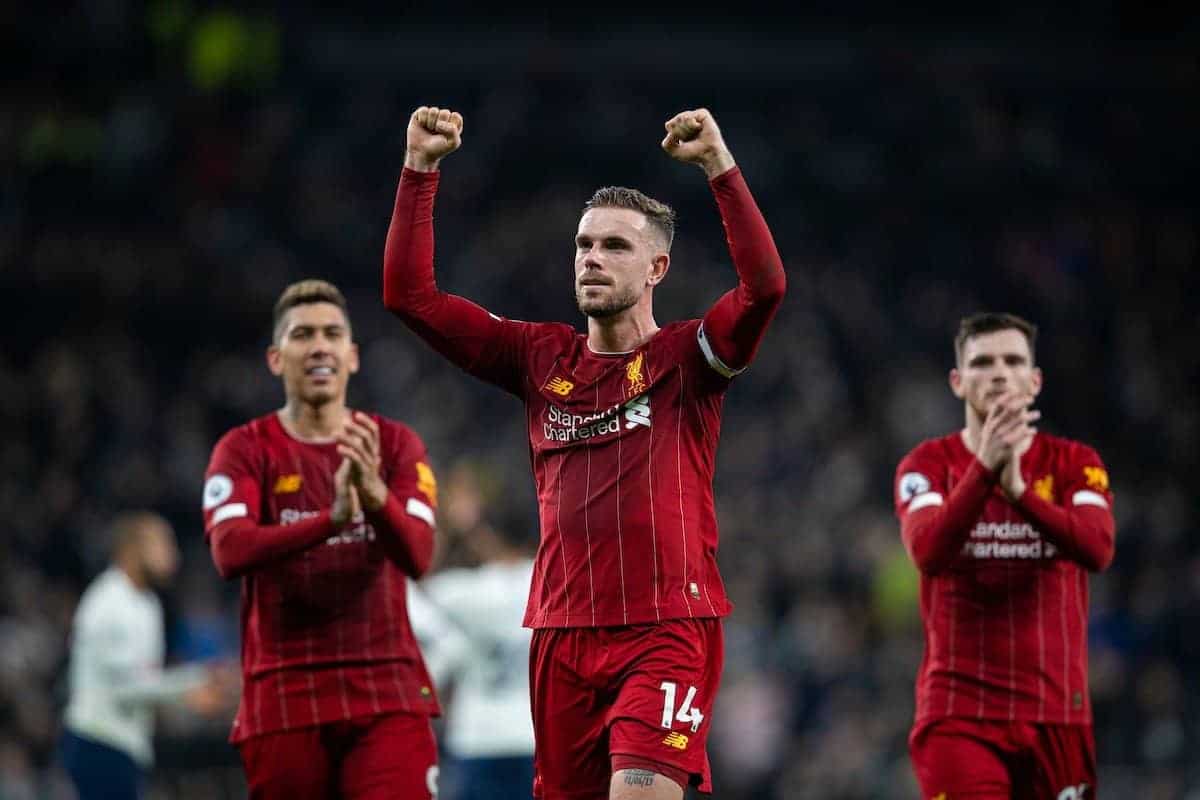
column 165, row 169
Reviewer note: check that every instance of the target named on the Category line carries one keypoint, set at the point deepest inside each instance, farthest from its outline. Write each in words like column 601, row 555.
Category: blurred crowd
column 166, row 169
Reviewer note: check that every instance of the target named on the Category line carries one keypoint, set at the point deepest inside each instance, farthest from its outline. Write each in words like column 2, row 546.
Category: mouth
column 321, row 371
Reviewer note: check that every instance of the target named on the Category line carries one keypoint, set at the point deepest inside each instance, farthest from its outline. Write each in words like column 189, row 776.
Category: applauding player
column 1003, row 522
column 323, row 512
column 626, row 599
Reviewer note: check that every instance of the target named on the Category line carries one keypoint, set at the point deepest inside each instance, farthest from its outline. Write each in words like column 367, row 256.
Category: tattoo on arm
column 639, row 777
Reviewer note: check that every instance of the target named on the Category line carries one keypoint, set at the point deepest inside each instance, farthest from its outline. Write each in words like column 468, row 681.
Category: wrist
column 373, row 496
column 718, row 164
column 421, row 162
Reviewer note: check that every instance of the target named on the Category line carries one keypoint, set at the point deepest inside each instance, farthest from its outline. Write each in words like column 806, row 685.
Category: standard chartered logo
column 1007, row 540
column 560, row 425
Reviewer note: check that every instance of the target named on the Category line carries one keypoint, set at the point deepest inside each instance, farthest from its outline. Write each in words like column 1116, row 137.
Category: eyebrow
column 982, row 357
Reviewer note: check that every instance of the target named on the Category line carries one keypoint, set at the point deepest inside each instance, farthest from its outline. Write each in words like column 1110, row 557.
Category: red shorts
column 371, row 758
column 988, row 759
column 629, row 697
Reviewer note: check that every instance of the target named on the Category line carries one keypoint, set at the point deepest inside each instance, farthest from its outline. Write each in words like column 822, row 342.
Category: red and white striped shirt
column 325, row 629
column 1004, row 594
column 623, row 446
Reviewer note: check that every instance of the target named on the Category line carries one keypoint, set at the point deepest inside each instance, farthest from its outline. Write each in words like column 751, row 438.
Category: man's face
column 991, row 365
column 314, row 353
column 618, row 255
column 159, row 555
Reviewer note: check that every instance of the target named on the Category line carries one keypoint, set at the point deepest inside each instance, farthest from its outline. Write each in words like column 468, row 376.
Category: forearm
column 737, row 322
column 454, row 326
column 240, row 546
column 159, row 686
column 934, row 535
column 1084, row 533
column 405, row 531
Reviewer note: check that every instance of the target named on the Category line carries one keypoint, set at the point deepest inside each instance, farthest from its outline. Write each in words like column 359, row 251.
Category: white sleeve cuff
column 420, row 510
column 927, row 499
column 712, row 358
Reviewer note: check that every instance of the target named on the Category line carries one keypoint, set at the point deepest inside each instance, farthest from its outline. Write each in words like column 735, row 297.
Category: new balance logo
column 560, row 386
column 677, row 740
column 637, row 412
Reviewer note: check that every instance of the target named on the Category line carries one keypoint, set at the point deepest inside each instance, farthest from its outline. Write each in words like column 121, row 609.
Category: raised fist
column 694, row 138
column 433, row 134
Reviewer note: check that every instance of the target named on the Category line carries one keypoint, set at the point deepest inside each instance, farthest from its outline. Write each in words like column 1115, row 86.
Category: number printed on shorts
column 687, row 712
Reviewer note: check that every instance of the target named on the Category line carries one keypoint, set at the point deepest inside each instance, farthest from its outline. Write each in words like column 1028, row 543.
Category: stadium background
column 166, row 168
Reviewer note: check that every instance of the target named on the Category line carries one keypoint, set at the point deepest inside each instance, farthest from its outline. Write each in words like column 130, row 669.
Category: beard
column 602, row 308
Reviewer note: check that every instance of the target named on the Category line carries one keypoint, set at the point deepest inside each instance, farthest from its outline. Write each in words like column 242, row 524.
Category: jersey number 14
column 686, row 713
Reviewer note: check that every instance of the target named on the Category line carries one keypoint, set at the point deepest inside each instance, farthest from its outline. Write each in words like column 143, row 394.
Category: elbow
column 1102, row 558
column 422, row 558
column 227, row 566
column 770, row 290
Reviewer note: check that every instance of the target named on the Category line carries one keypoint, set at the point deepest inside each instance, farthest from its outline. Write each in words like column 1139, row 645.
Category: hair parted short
column 299, row 293
column 661, row 215
column 990, row 322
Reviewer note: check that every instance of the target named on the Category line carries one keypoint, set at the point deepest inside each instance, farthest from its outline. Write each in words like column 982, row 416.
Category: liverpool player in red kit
column 323, row 512
column 1004, row 523
column 623, row 421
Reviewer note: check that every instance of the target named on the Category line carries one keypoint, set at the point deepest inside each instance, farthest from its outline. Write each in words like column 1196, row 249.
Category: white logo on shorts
column 1073, row 792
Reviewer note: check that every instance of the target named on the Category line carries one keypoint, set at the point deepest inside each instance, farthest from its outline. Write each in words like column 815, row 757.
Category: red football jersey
column 1005, row 609
column 623, row 449
column 325, row 631
column 623, row 445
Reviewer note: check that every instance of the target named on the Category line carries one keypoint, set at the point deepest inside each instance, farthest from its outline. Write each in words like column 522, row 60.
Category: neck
column 308, row 421
column 622, row 332
column 130, row 568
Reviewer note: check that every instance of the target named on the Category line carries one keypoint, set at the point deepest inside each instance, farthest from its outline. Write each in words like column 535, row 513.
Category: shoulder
column 397, row 437
column 246, row 436
column 556, row 336
column 1069, row 450
column 939, row 450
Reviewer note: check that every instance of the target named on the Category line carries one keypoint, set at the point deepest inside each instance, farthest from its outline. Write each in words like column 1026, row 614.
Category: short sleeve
column 920, row 481
column 1086, row 480
column 410, row 477
column 232, row 487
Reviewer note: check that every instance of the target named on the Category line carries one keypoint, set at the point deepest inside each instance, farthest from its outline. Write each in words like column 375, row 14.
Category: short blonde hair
column 299, row 293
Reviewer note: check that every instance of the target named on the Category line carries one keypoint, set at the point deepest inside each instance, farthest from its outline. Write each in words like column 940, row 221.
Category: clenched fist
column 694, row 138
column 433, row 134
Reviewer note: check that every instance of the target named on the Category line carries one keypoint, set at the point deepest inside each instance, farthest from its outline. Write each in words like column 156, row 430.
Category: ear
column 275, row 360
column 352, row 359
column 1035, row 380
column 658, row 269
column 956, row 384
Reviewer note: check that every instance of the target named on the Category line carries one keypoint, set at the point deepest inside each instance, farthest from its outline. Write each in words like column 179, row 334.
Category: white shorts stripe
column 712, row 358
column 419, row 510
column 1085, row 497
column 229, row 511
column 927, row 499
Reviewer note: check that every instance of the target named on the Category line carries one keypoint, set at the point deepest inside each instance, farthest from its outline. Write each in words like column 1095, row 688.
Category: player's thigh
column 571, row 761
column 662, row 714
column 1064, row 763
column 288, row 765
column 959, row 759
column 644, row 783
column 391, row 756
